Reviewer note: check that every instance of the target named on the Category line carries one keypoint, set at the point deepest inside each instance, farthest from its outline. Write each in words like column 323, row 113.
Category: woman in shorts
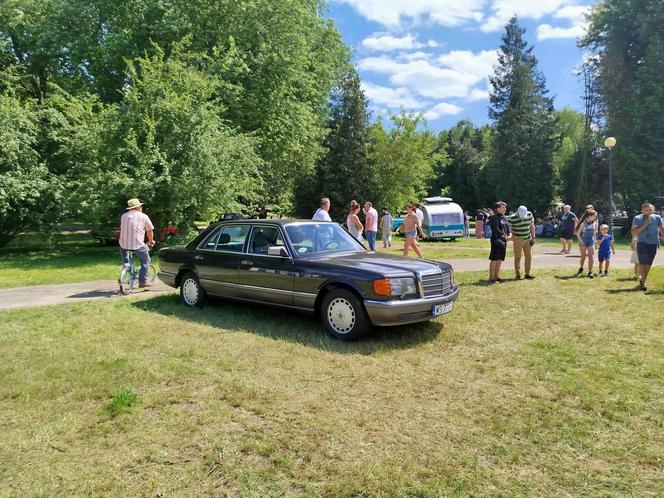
column 411, row 226
column 586, row 232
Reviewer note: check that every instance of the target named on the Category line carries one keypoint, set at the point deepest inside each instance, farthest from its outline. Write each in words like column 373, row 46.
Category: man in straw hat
column 134, row 226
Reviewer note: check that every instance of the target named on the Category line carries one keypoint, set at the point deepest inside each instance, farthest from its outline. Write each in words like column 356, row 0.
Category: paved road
column 548, row 257
column 43, row 295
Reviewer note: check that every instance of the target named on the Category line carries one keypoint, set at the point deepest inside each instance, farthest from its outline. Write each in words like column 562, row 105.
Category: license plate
column 441, row 309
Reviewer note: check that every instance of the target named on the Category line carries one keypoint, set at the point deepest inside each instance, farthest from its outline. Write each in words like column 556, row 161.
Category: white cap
column 523, row 211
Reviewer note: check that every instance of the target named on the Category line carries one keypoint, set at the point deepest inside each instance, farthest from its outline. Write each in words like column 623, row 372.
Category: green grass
column 72, row 258
column 551, row 387
column 121, row 402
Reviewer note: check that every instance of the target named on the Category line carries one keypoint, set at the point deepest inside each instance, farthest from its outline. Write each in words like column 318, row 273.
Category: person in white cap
column 522, row 224
column 134, row 226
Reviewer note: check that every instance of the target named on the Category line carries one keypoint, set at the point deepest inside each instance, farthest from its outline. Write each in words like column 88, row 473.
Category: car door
column 263, row 277
column 217, row 264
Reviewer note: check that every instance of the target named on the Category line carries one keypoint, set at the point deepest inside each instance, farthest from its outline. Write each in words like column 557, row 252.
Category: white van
column 443, row 219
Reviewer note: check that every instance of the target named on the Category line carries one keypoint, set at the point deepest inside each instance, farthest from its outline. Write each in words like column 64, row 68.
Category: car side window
column 211, row 242
column 232, row 237
column 264, row 237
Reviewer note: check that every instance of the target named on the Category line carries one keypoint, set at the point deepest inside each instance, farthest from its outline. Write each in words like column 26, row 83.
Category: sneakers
column 143, row 286
column 642, row 286
column 579, row 272
column 606, row 273
column 590, row 275
column 517, row 277
column 529, row 277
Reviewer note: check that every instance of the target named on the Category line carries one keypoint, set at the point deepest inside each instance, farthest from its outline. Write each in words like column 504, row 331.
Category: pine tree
column 344, row 172
column 521, row 165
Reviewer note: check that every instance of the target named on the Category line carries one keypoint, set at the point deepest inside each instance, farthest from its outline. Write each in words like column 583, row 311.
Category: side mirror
column 277, row 251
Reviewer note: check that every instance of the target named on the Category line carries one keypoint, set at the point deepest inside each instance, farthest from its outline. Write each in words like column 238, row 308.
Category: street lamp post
column 609, row 143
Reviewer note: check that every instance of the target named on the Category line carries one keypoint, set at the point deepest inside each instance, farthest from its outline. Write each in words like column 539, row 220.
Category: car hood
column 384, row 264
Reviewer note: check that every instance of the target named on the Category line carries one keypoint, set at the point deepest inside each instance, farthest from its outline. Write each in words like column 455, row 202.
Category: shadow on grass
column 627, row 290
column 568, row 277
column 290, row 326
column 482, row 282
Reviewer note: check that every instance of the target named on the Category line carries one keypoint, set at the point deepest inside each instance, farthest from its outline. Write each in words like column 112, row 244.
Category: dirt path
column 44, row 295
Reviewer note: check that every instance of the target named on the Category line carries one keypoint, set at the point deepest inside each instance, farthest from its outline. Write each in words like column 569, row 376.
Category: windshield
column 310, row 238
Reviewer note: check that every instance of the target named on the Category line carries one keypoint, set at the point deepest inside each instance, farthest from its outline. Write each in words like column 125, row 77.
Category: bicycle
column 129, row 274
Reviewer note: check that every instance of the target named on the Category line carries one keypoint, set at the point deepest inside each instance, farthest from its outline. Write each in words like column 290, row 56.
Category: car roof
column 281, row 222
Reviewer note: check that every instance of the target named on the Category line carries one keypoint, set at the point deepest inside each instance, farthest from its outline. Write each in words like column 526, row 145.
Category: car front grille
column 436, row 284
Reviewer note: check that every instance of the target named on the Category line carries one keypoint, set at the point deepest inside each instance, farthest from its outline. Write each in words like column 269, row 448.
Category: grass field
column 72, row 258
column 552, row 387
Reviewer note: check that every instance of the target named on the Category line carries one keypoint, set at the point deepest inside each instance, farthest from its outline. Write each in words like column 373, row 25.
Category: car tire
column 344, row 316
column 191, row 292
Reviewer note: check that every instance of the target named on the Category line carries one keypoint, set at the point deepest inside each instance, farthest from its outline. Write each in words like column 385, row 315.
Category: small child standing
column 606, row 246
column 634, row 258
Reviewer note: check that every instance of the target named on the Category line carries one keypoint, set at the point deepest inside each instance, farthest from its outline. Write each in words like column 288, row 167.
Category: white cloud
column 503, row 10
column 576, row 14
column 477, row 94
column 392, row 98
column 452, row 75
column 383, row 42
column 387, row 43
column 480, row 65
column 392, row 13
column 442, row 109
column 547, row 32
column 413, row 56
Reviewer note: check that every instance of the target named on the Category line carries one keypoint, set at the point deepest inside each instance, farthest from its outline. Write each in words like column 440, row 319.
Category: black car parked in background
column 309, row 266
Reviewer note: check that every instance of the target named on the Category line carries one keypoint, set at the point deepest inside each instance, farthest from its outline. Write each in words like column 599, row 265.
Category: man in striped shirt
column 134, row 226
column 522, row 224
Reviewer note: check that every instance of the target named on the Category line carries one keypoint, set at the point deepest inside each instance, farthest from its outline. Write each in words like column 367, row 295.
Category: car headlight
column 401, row 286
column 395, row 286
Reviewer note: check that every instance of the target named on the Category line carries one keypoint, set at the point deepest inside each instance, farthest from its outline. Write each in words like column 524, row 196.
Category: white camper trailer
column 443, row 219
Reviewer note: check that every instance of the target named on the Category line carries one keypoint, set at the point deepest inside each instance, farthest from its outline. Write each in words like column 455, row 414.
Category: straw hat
column 133, row 204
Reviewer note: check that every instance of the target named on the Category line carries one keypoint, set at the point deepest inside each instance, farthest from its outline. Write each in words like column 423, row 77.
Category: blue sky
column 434, row 56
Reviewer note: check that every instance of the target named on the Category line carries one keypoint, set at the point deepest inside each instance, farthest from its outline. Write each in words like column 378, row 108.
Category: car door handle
column 198, row 258
column 246, row 262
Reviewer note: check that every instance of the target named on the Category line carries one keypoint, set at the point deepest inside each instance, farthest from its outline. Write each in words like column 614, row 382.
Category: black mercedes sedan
column 310, row 266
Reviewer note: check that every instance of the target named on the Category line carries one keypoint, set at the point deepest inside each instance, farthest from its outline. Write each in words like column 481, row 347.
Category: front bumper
column 386, row 313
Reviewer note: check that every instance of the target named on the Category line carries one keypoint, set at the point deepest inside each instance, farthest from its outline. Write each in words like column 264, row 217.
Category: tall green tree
column 343, row 172
column 166, row 144
column 276, row 61
column 403, row 156
column 628, row 40
column 459, row 174
column 28, row 191
column 521, row 165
